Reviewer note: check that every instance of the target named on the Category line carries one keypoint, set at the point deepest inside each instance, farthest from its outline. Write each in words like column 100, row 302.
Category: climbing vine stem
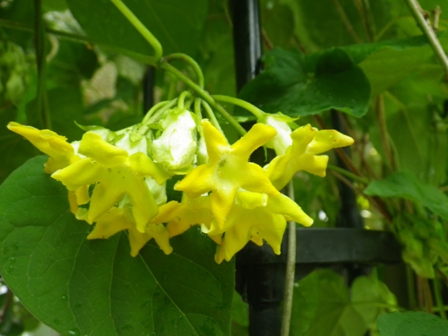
column 204, row 95
column 158, row 51
column 242, row 103
column 190, row 61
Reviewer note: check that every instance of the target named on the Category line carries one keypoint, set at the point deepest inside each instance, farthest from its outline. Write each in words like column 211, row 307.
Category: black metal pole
column 148, row 88
column 246, row 40
column 261, row 281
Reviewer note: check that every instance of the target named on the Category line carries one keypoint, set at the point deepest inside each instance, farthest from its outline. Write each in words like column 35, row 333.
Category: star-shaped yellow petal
column 181, row 216
column 61, row 153
column 257, row 223
column 114, row 174
column 119, row 219
column 307, row 141
column 251, row 222
column 228, row 169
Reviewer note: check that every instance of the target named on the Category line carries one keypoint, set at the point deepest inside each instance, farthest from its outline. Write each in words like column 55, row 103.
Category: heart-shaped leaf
column 81, row 287
column 285, row 86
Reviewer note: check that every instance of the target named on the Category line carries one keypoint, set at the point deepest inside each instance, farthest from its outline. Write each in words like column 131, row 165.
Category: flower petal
column 82, row 172
column 56, row 146
column 286, row 207
column 250, row 200
column 109, row 224
column 197, row 182
column 313, row 164
column 93, row 146
column 301, row 137
column 272, row 232
column 257, row 136
column 141, row 164
column 328, row 139
column 221, row 201
column 237, row 236
column 157, row 231
column 215, row 141
column 255, row 179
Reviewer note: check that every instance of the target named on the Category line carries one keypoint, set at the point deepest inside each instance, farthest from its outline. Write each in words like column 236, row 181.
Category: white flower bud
column 282, row 140
column 133, row 143
column 175, row 148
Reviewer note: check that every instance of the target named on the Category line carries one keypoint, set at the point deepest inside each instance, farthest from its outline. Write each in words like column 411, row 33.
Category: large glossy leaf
column 285, row 86
column 412, row 324
column 81, row 287
column 405, row 185
column 177, row 24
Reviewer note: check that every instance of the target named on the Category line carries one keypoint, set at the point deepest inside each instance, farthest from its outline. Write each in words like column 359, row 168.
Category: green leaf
column 285, row 86
column 405, row 185
column 412, row 324
column 386, row 63
column 278, row 22
column 322, row 305
column 21, row 11
column 177, row 24
column 14, row 150
column 74, row 61
column 80, row 287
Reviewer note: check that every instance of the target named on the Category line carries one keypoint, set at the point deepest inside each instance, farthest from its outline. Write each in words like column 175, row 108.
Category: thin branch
column 290, row 271
column 417, row 11
column 346, row 21
column 381, row 118
column 436, row 16
column 5, row 308
column 267, row 42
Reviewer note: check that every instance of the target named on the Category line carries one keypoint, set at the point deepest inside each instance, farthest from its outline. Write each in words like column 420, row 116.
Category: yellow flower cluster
column 118, row 182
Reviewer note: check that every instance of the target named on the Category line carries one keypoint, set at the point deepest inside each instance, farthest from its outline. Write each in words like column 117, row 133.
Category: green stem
column 197, row 110
column 290, row 271
column 437, row 288
column 190, row 61
column 158, row 51
column 157, row 110
column 204, row 95
column 41, row 63
column 211, row 116
column 152, row 110
column 348, row 174
column 416, row 10
column 182, row 97
column 172, row 88
column 410, row 284
column 242, row 103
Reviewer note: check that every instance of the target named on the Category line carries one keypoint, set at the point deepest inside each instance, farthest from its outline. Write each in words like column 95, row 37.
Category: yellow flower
column 228, row 169
column 307, row 141
column 61, row 153
column 257, row 223
column 181, row 216
column 114, row 174
column 118, row 219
